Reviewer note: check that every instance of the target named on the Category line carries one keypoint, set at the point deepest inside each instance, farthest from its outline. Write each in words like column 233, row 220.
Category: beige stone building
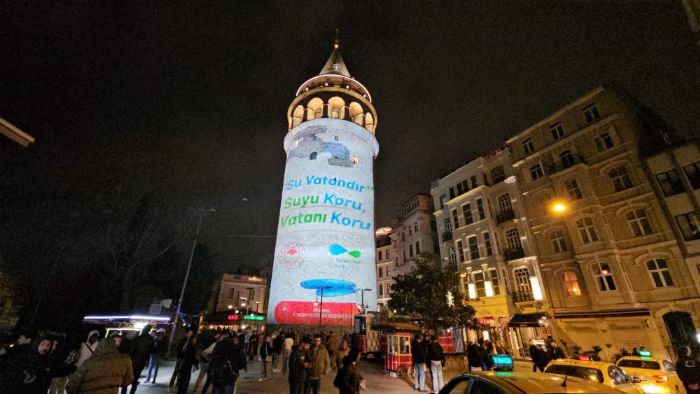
column 613, row 271
column 484, row 237
column 412, row 232
column 242, row 292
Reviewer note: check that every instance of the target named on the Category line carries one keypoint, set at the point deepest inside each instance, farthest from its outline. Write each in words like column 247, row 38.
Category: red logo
column 292, row 255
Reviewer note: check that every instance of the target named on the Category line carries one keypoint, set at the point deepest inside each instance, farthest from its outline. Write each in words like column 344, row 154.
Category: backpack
column 221, row 371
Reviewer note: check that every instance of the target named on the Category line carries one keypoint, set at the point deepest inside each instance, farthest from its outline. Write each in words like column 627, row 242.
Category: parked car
column 658, row 376
column 489, row 382
column 596, row 371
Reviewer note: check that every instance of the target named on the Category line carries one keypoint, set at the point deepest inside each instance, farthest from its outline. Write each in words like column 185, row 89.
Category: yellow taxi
column 658, row 376
column 489, row 382
column 597, row 371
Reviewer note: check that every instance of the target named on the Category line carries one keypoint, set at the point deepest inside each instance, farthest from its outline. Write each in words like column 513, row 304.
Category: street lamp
column 558, row 207
column 362, row 297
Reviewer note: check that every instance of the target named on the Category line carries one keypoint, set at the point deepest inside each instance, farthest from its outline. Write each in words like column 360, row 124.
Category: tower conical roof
column 335, row 64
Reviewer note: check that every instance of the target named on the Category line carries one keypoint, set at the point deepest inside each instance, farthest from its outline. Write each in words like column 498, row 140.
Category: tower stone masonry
column 324, row 254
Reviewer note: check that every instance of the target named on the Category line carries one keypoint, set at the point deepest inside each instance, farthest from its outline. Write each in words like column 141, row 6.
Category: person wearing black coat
column 299, row 363
column 473, row 357
column 554, row 352
column 31, row 371
column 349, row 380
column 189, row 361
column 538, row 356
column 688, row 371
column 420, row 359
column 227, row 360
column 437, row 361
column 140, row 350
column 181, row 348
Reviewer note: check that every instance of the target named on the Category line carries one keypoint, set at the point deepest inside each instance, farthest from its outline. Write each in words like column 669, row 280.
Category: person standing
column 31, row 371
column 159, row 348
column 287, row 351
column 437, row 361
column 332, row 344
column 419, row 363
column 538, row 356
column 340, row 354
column 299, row 363
column 105, row 372
column 320, row 365
column 349, row 380
column 688, row 371
column 87, row 348
column 554, row 352
column 208, row 343
column 473, row 356
column 266, row 354
column 140, row 348
column 227, row 360
column 180, row 351
column 278, row 348
column 189, row 361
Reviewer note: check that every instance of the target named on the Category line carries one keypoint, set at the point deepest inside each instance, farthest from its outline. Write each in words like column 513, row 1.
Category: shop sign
column 232, row 317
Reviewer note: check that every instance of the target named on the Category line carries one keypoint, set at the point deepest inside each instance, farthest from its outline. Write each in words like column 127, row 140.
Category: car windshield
column 641, row 364
column 587, row 373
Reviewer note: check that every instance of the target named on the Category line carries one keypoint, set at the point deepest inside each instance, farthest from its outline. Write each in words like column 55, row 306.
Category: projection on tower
column 324, row 252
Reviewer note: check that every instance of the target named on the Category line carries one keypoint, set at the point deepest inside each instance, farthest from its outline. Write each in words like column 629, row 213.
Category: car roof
column 537, row 382
column 579, row 363
column 658, row 360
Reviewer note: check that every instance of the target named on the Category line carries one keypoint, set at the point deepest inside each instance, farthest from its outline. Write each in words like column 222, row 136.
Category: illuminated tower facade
column 324, row 256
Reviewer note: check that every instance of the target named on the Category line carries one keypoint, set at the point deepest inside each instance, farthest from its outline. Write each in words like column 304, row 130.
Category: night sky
column 192, row 96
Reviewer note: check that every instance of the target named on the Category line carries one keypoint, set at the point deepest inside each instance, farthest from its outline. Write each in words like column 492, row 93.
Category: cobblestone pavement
column 377, row 380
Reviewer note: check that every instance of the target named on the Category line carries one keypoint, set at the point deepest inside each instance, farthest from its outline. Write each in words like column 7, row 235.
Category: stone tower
column 324, row 255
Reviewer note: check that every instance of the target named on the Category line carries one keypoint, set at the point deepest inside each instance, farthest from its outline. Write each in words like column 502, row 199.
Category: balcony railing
column 505, row 216
column 566, row 162
column 513, row 253
column 447, row 236
column 522, row 296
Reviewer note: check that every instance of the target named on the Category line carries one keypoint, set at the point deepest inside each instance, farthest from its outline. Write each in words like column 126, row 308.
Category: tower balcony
column 334, row 107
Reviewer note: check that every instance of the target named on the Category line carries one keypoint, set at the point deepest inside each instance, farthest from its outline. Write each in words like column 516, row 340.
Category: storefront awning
column 526, row 320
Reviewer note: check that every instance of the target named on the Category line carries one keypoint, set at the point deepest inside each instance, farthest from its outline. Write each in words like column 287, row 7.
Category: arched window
column 369, row 122
column 658, row 269
column 570, row 280
column 603, row 277
column 314, row 109
column 313, row 155
column 620, row 178
column 586, row 230
column 297, row 115
column 336, row 108
column 558, row 241
column 639, row 222
column 356, row 112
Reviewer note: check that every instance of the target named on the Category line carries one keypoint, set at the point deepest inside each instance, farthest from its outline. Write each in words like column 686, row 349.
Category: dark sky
column 196, row 93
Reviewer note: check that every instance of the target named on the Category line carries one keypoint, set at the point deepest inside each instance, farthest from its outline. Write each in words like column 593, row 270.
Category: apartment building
column 245, row 293
column 385, row 265
column 614, row 273
column 484, row 237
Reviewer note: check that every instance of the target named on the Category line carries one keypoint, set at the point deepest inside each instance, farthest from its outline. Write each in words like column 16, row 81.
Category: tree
column 430, row 294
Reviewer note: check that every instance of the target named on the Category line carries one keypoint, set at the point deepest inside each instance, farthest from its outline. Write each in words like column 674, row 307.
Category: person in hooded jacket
column 227, row 359
column 31, row 372
column 87, row 348
column 104, row 372
column 349, row 380
column 140, row 349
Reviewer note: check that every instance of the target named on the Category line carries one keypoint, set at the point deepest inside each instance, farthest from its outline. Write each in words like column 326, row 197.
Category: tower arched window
column 297, row 115
column 314, row 109
column 336, row 108
column 356, row 112
column 369, row 122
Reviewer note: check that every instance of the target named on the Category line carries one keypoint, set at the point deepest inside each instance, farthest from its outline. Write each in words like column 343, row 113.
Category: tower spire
column 335, row 64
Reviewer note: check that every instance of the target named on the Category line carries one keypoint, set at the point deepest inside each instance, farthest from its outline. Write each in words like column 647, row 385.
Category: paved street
column 377, row 381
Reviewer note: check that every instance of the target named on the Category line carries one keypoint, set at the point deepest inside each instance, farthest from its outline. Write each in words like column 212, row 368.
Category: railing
column 447, row 236
column 334, row 112
column 513, row 253
column 505, row 216
column 522, row 296
column 566, row 162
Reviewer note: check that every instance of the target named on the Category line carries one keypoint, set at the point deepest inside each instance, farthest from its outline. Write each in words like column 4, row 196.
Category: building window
column 591, row 113
column 513, row 237
column 528, row 147
column 473, row 248
column 480, row 208
column 479, row 283
column 692, row 171
column 557, row 130
column 379, row 255
column 452, row 193
column 536, row 172
column 417, row 247
column 658, row 268
column 587, row 230
column 567, row 159
column 670, row 183
column 603, row 277
column 381, row 289
column 410, row 250
column 415, row 227
column 460, row 250
column 443, row 201
column 467, row 211
column 386, row 255
column 504, row 203
column 474, row 181
column 639, row 222
column 573, row 189
column 379, row 271
column 487, row 243
column 410, row 231
column 403, row 236
column 571, row 284
column 689, row 226
column 230, row 293
column 558, row 241
column 493, row 275
column 453, row 258
column 455, row 218
column 620, row 178
column 522, row 284
column 603, row 141
column 497, row 174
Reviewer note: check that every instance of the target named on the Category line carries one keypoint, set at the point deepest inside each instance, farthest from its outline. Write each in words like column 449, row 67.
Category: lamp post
column 362, row 297
column 201, row 214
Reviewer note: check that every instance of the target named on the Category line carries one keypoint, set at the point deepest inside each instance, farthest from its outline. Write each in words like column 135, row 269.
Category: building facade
column 325, row 246
column 613, row 271
column 247, row 293
column 385, row 265
column 485, row 238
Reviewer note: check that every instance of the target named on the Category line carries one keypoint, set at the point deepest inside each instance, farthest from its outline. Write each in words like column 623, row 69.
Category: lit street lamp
column 558, row 207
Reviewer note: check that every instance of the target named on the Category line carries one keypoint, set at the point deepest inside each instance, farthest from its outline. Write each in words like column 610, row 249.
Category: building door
column 681, row 329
